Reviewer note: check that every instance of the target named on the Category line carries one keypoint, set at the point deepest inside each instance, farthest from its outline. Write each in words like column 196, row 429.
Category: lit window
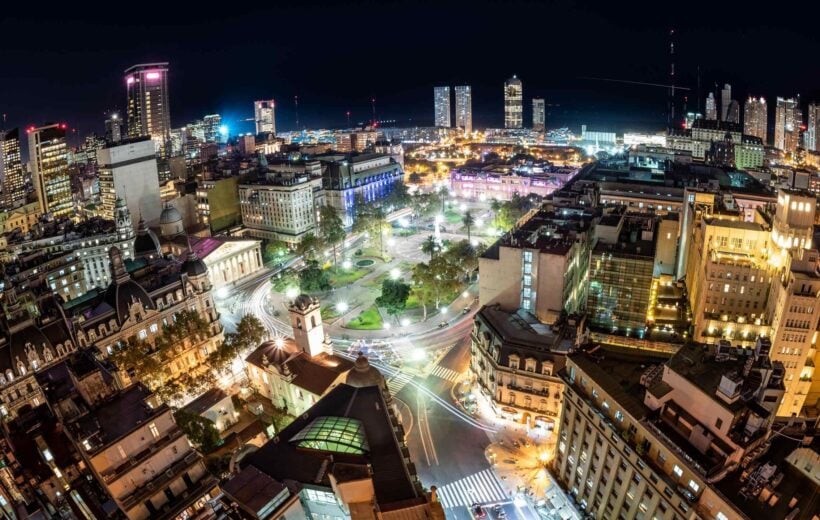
column 154, row 430
column 678, row 472
column 47, row 455
column 142, row 334
column 694, row 486
column 121, row 452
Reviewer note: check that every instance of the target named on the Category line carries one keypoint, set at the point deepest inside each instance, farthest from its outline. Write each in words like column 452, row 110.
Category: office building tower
column 538, row 115
column 48, row 159
column 128, row 171
column 11, row 170
column 733, row 114
column 513, row 103
column 265, row 116
column 725, row 101
column 147, row 101
column 711, row 109
column 755, row 118
column 787, row 120
column 441, row 98
column 212, row 125
column 812, row 134
column 113, row 129
column 464, row 108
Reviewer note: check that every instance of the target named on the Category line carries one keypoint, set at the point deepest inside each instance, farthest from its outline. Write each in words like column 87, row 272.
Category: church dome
column 193, row 266
column 146, row 242
column 170, row 222
column 170, row 215
column 364, row 374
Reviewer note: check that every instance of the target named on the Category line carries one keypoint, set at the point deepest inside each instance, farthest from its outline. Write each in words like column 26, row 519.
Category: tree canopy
column 394, row 296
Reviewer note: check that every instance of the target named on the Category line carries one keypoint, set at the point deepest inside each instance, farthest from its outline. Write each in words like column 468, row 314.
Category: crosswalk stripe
column 445, row 373
column 481, row 487
column 397, row 382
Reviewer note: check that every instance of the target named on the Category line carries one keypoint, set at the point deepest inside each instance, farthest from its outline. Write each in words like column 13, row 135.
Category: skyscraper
column 725, row 101
column 212, row 123
column 147, row 101
column 812, row 133
column 265, row 116
column 711, row 109
column 441, row 99
column 538, row 115
column 787, row 120
column 513, row 103
column 128, row 171
column 755, row 117
column 48, row 157
column 11, row 169
column 464, row 108
column 113, row 129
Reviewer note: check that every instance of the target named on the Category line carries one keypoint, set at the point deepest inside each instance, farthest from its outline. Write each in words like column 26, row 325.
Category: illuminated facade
column 538, row 115
column 464, row 108
column 513, row 103
column 128, row 171
column 787, row 121
column 282, row 210
column 725, row 103
column 755, row 118
column 11, row 170
column 48, row 159
column 812, row 134
column 147, row 104
column 265, row 116
column 113, row 129
column 441, row 98
column 711, row 108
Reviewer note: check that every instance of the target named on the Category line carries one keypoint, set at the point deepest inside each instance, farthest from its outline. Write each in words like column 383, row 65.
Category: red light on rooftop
column 63, row 126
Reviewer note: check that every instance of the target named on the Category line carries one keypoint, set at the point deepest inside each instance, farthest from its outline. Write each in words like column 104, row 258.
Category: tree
column 398, row 197
column 430, row 246
column 200, row 430
column 468, row 222
column 423, row 287
column 313, row 278
column 394, row 296
column 331, row 228
column 414, row 178
column 274, row 250
column 309, row 246
column 249, row 334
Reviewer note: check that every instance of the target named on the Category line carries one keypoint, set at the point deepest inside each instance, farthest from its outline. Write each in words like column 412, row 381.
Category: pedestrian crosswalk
column 397, row 382
column 445, row 373
column 479, row 488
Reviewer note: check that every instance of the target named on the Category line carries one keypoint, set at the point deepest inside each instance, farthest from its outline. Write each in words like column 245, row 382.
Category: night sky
column 66, row 63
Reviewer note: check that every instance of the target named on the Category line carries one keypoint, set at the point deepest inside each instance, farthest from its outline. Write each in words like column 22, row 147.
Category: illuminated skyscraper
column 148, row 108
column 441, row 98
column 213, row 128
column 725, row 101
column 538, row 114
column 787, row 120
column 812, row 134
column 513, row 103
column 48, row 157
column 265, row 116
column 464, row 108
column 11, row 169
column 113, row 129
column 755, row 117
column 711, row 109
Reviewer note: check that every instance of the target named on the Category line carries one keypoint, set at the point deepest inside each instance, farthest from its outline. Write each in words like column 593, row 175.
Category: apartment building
column 282, row 208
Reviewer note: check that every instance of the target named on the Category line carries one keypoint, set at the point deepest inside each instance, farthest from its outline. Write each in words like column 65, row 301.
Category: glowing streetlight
column 443, row 310
column 465, row 294
column 386, row 326
column 347, row 264
column 404, row 322
column 279, row 342
column 292, row 293
column 395, row 273
column 342, row 307
column 391, row 242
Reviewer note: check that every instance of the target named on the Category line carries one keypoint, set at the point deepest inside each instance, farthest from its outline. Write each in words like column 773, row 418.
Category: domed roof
column 169, row 215
column 193, row 266
column 120, row 296
column 146, row 243
column 303, row 301
column 363, row 374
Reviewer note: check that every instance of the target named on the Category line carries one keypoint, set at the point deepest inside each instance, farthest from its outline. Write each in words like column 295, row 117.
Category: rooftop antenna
column 698, row 109
column 671, row 111
column 373, row 104
column 296, row 105
column 348, row 118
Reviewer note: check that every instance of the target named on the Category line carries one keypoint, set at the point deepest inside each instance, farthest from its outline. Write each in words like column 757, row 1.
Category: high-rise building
column 711, row 109
column 148, row 109
column 513, row 103
column 539, row 117
column 265, row 116
column 212, row 124
column 441, row 98
column 128, row 171
column 464, row 108
column 755, row 117
column 48, row 159
column 725, row 101
column 812, row 134
column 113, row 129
column 733, row 114
column 787, row 120
column 11, row 169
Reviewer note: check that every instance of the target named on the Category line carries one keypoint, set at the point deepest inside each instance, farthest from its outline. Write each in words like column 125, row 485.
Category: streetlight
column 386, row 326
column 342, row 307
column 292, row 293
column 395, row 273
column 404, row 322
column 465, row 294
column 347, row 264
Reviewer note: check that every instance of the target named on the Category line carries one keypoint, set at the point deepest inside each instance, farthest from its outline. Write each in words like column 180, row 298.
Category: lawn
column 329, row 312
column 452, row 217
column 340, row 276
column 286, row 281
column 368, row 319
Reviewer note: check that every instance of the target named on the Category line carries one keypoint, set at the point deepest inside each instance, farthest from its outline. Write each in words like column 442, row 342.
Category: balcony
column 158, row 444
column 160, row 481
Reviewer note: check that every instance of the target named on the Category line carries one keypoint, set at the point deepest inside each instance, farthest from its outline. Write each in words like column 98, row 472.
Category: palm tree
column 430, row 246
column 468, row 222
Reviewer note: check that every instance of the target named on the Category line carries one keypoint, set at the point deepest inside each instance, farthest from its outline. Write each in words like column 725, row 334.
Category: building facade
column 756, row 118
column 464, row 108
column 787, row 121
column 441, row 102
column 513, row 103
column 539, row 117
column 128, row 171
column 48, row 160
column 148, row 109
column 265, row 116
column 12, row 181
column 283, row 210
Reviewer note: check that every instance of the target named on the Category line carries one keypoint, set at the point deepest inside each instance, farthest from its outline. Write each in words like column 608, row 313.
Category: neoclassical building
column 228, row 260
